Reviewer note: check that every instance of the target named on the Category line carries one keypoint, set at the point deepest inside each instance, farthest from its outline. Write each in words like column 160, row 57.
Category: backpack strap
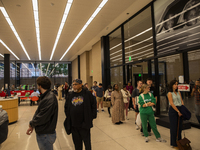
column 150, row 94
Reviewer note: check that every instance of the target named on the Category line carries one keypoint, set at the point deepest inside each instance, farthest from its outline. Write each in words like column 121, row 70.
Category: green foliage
column 60, row 69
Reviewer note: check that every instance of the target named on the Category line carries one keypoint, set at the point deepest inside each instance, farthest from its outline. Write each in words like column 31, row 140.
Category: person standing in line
column 85, row 86
column 196, row 93
column 80, row 110
column 26, row 87
column 130, row 88
column 99, row 93
column 107, row 96
column 126, row 98
column 175, row 102
column 45, row 119
column 153, row 91
column 66, row 89
column 118, row 105
column 135, row 99
column 94, row 87
column 146, row 101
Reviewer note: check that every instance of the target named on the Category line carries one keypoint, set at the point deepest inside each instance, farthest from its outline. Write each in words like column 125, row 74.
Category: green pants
column 152, row 122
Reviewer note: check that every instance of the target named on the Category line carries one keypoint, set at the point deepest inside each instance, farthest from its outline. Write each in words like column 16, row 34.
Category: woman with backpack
column 146, row 101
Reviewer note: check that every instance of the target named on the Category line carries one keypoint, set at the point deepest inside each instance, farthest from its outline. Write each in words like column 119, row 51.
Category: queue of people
column 82, row 106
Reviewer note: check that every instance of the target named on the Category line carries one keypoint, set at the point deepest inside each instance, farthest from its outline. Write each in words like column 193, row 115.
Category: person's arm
column 93, row 105
column 112, row 98
column 129, row 95
column 141, row 102
column 172, row 104
column 124, row 94
column 153, row 101
column 181, row 98
column 103, row 92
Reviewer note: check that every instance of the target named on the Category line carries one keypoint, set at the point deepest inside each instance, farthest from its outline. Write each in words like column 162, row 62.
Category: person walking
column 99, row 93
column 135, row 99
column 126, row 98
column 130, row 88
column 107, row 96
column 80, row 110
column 146, row 101
column 175, row 102
column 45, row 119
column 118, row 105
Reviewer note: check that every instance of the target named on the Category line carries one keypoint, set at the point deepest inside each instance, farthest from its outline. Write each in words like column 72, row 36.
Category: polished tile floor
column 104, row 134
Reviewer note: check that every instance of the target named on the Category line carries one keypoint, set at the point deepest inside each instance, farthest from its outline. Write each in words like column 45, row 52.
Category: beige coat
column 118, row 107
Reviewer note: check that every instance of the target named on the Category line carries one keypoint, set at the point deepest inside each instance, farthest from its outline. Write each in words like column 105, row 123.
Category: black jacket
column 90, row 111
column 45, row 119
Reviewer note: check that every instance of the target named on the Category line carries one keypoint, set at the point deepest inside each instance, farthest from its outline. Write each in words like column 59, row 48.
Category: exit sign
column 129, row 58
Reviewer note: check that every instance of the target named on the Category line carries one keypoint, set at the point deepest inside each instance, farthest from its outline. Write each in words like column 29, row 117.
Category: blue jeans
column 45, row 141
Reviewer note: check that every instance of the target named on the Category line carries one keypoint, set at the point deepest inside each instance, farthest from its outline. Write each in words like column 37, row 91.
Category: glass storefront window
column 194, row 74
column 115, row 48
column 138, row 37
column 117, row 76
column 170, row 68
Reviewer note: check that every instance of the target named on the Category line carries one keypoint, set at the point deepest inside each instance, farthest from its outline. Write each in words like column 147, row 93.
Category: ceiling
column 50, row 15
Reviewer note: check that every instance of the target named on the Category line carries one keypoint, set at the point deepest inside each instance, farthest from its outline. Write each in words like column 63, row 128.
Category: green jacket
column 147, row 98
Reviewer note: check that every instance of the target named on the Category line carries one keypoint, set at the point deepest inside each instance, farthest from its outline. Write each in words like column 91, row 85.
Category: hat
column 78, row 81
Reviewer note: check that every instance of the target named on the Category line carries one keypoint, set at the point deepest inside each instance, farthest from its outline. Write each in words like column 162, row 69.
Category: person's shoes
column 109, row 115
column 146, row 139
column 118, row 123
column 127, row 118
column 102, row 110
column 128, row 109
column 135, row 122
column 142, row 133
column 149, row 133
column 97, row 110
column 121, row 122
column 137, row 127
column 161, row 140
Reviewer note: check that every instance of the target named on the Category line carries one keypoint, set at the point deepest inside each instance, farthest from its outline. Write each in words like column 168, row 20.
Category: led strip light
column 37, row 27
column 8, row 48
column 85, row 26
column 64, row 18
column 13, row 29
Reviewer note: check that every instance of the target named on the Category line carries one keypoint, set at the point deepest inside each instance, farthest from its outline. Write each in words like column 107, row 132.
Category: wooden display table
column 10, row 105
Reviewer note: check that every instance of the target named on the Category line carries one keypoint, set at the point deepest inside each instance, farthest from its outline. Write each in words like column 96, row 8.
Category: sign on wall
column 184, row 87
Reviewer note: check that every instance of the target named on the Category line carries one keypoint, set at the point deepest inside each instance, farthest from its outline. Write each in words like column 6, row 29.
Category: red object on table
column 23, row 92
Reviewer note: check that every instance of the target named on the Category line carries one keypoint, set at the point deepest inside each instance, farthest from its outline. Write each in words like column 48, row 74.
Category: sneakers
column 142, row 133
column 146, row 139
column 161, row 140
column 102, row 110
column 97, row 110
column 127, row 118
column 137, row 127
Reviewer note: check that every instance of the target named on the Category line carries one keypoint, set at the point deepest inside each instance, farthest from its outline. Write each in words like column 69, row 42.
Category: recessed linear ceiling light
column 1, row 55
column 64, row 18
column 8, row 48
column 13, row 29
column 85, row 26
column 37, row 28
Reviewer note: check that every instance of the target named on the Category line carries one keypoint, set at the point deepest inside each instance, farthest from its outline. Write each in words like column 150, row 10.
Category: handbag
column 183, row 144
column 106, row 103
column 138, row 120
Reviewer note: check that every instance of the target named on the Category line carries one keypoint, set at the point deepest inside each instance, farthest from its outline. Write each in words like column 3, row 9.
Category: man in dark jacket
column 45, row 119
column 80, row 110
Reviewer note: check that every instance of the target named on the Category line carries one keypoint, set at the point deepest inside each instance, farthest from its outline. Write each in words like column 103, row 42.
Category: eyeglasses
column 74, row 84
